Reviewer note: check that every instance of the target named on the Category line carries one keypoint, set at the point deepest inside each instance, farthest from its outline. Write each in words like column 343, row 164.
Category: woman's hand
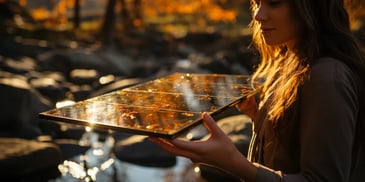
column 210, row 151
column 217, row 150
column 248, row 106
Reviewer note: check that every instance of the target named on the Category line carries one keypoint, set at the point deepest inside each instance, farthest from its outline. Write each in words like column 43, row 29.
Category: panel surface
column 163, row 107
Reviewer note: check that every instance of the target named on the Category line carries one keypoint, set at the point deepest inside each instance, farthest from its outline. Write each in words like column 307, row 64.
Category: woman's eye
column 275, row 3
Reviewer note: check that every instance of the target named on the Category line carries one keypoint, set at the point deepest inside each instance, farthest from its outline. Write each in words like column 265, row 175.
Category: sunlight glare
column 64, row 103
column 106, row 79
column 196, row 169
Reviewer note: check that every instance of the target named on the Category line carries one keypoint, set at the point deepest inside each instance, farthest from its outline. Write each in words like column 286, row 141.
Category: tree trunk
column 138, row 12
column 107, row 29
column 125, row 16
column 76, row 14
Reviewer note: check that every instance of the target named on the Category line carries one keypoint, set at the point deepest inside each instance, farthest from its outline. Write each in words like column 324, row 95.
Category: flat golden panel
column 164, row 107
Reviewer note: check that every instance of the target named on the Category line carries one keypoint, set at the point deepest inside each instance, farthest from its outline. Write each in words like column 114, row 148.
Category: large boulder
column 138, row 150
column 28, row 160
column 19, row 108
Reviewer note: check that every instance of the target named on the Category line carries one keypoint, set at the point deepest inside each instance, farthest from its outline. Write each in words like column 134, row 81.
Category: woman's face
column 276, row 22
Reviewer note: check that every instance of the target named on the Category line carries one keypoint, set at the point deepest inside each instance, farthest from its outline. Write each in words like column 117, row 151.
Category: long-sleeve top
column 320, row 138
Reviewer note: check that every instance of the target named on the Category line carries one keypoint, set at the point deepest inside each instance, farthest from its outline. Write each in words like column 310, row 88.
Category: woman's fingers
column 200, row 151
column 165, row 144
column 195, row 146
column 211, row 124
column 176, row 147
column 247, row 104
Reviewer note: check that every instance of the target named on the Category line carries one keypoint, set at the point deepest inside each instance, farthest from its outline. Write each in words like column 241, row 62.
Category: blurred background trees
column 107, row 18
column 104, row 19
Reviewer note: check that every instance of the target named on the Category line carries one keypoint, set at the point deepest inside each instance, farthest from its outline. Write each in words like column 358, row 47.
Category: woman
column 309, row 122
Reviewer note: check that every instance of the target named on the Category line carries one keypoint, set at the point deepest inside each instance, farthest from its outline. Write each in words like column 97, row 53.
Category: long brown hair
column 325, row 31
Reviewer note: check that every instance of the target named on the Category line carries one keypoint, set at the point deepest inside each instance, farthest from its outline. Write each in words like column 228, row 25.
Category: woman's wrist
column 238, row 165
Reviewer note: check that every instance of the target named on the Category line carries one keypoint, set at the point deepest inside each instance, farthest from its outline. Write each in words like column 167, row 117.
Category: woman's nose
column 260, row 14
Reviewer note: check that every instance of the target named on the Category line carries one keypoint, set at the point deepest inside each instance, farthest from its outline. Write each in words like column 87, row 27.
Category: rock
column 134, row 150
column 119, row 84
column 18, row 109
column 81, row 92
column 21, row 66
column 86, row 59
column 117, row 63
column 57, row 61
column 70, row 147
column 219, row 66
column 28, row 160
column 239, row 129
column 50, row 88
column 84, row 76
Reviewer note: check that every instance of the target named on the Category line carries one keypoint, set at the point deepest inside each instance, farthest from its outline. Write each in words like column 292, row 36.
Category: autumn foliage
column 210, row 8
column 205, row 10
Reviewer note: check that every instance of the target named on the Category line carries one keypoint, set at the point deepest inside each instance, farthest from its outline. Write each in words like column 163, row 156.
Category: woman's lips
column 267, row 30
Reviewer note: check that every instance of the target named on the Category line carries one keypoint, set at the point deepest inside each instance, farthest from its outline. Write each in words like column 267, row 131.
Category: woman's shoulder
column 330, row 64
column 328, row 73
column 331, row 69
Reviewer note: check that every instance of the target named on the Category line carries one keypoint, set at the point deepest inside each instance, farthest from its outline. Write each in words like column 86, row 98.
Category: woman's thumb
column 210, row 123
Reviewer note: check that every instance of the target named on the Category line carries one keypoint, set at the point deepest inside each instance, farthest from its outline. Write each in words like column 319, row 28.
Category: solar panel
column 163, row 107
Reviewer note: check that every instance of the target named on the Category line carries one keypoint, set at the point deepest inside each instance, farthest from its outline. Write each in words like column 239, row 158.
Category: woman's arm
column 328, row 123
column 328, row 110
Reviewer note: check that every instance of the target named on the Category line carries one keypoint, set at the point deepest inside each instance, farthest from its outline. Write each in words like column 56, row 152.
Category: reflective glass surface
column 163, row 107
